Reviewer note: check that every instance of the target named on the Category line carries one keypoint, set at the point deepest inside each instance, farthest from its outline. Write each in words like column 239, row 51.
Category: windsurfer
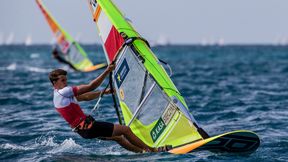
column 56, row 55
column 66, row 102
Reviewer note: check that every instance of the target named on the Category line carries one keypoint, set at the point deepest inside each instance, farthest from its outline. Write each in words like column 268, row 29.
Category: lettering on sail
column 169, row 112
column 157, row 130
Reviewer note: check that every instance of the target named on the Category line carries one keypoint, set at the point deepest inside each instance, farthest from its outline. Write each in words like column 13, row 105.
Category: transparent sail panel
column 129, row 80
column 138, row 90
column 74, row 55
column 153, row 107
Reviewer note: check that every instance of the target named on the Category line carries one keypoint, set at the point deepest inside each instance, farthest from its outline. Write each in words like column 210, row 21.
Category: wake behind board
column 240, row 141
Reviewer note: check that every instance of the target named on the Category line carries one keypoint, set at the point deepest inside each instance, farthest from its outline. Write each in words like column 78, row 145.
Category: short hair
column 54, row 75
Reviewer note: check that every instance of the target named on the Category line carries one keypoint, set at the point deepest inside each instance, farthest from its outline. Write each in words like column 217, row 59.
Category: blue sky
column 183, row 22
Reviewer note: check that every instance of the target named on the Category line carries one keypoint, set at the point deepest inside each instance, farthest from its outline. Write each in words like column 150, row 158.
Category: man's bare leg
column 120, row 130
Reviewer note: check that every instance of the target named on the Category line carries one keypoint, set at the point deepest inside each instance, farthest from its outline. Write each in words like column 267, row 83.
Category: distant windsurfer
column 56, row 55
column 66, row 102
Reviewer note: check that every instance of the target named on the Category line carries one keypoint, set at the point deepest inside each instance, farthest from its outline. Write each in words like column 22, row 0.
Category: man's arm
column 88, row 96
column 92, row 95
column 94, row 83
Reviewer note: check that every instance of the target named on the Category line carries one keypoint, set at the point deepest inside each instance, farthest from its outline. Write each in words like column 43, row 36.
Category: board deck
column 240, row 141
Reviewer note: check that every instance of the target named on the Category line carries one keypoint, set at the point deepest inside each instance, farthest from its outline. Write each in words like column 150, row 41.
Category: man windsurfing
column 66, row 103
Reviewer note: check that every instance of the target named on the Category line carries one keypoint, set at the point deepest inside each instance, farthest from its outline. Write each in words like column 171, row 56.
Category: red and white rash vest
column 66, row 104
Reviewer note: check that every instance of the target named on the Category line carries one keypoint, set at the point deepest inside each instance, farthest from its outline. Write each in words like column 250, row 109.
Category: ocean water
column 226, row 88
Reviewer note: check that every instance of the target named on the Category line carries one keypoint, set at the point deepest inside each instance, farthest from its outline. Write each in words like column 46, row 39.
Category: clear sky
column 184, row 21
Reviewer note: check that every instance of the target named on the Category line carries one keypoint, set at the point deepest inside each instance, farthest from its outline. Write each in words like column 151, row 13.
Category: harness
column 84, row 124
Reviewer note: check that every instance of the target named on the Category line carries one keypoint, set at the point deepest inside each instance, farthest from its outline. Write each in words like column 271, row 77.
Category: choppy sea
column 226, row 88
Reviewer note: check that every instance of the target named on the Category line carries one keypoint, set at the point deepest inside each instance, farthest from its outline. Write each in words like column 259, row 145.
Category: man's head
column 58, row 78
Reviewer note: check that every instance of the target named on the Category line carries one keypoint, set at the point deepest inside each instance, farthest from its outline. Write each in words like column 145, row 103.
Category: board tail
column 241, row 141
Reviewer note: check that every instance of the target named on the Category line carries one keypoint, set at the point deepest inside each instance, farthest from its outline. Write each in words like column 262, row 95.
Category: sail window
column 141, row 94
column 74, row 55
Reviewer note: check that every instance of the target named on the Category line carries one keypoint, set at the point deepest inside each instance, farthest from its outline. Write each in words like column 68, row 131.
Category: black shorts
column 95, row 129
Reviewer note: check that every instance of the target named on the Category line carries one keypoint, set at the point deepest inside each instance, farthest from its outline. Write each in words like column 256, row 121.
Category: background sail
column 71, row 51
column 151, row 104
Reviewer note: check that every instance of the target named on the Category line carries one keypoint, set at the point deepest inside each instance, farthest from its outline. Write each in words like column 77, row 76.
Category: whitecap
column 68, row 145
column 12, row 66
column 47, row 142
column 34, row 55
column 37, row 69
column 14, row 147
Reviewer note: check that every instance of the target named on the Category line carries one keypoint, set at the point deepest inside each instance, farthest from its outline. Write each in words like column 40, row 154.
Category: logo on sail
column 121, row 73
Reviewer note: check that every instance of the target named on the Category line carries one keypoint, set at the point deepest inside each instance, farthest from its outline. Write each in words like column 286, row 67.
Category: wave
column 34, row 55
column 37, row 69
column 68, row 145
column 11, row 67
column 49, row 141
column 9, row 146
column 14, row 66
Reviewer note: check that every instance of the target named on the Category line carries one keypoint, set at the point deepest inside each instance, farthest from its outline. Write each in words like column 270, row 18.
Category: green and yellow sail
column 151, row 105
